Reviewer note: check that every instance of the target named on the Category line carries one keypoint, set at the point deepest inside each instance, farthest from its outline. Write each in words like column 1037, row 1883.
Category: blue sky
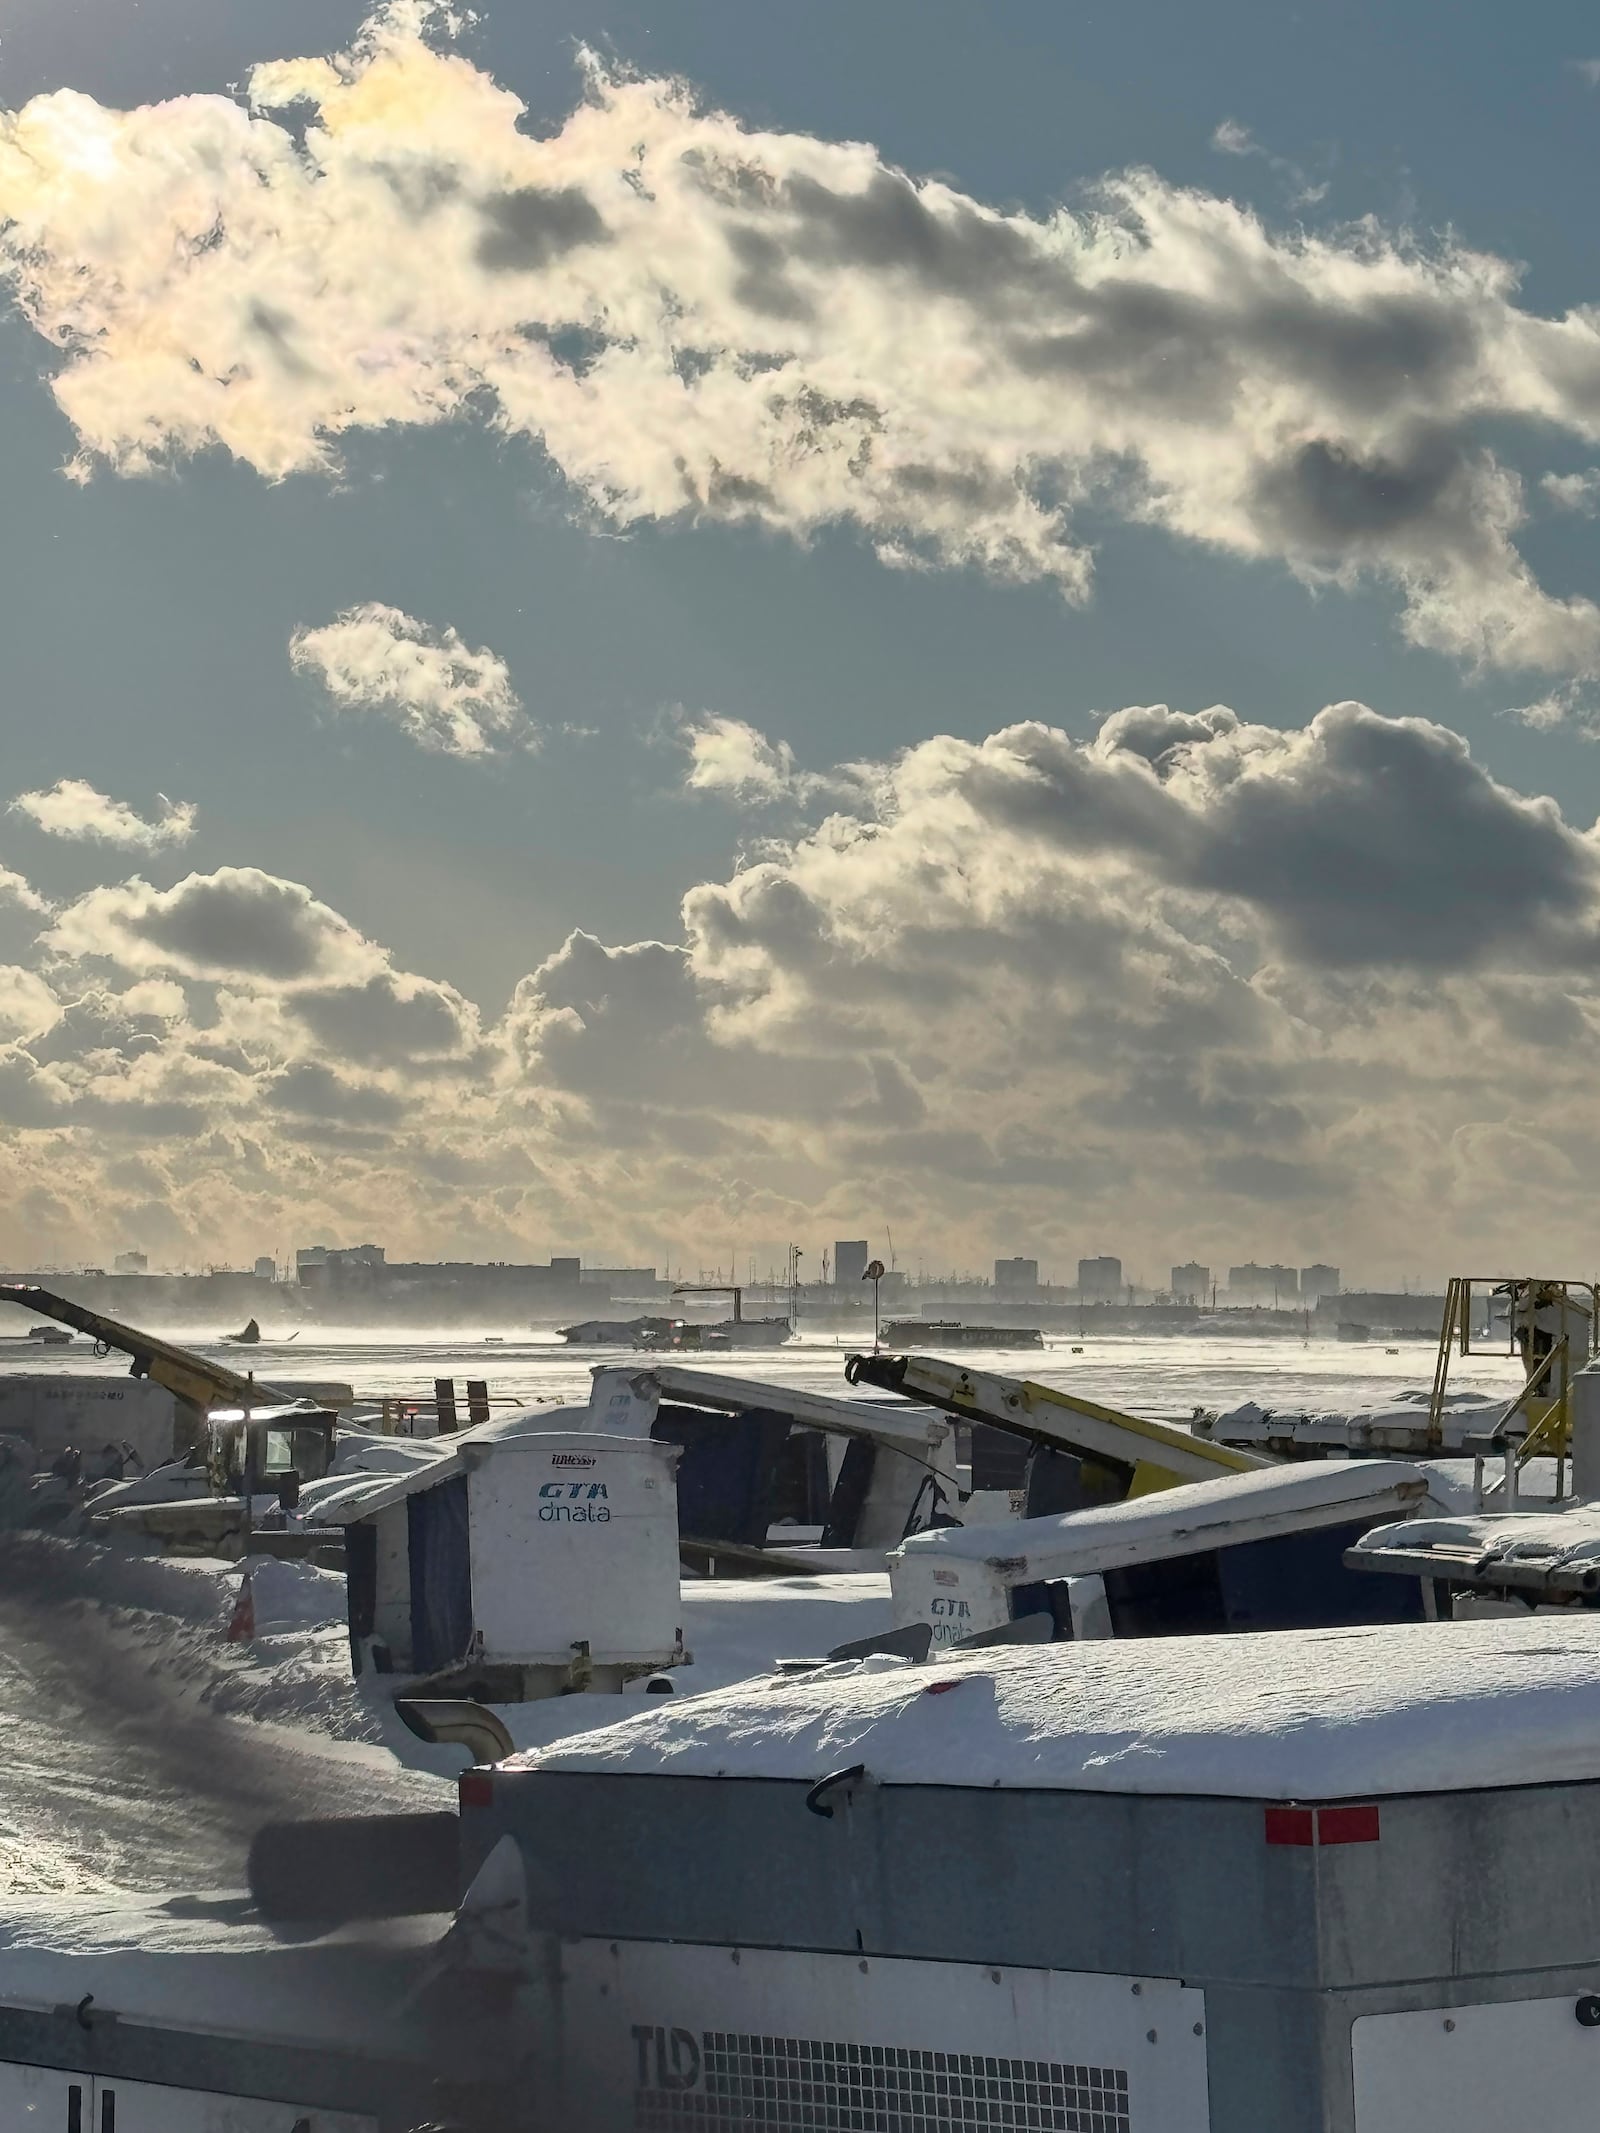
column 148, row 618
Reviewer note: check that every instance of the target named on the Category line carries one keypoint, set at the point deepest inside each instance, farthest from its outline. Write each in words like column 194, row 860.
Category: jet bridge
column 871, row 1471
column 1081, row 1453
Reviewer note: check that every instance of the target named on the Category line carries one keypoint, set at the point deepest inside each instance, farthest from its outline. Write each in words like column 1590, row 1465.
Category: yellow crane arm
column 1157, row 1455
column 185, row 1375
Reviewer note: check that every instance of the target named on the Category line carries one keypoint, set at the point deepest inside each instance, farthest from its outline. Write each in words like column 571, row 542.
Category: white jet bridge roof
column 1323, row 1714
column 889, row 1421
column 1182, row 1521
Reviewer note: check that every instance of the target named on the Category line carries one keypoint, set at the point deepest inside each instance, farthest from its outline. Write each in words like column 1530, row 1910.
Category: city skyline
column 843, row 1266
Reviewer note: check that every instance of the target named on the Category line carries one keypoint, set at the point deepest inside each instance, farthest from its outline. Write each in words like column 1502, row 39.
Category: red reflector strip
column 1322, row 1825
column 1347, row 1825
column 476, row 1788
column 1291, row 1825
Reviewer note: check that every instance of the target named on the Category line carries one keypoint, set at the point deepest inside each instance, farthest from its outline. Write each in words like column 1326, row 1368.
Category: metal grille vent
column 805, row 2085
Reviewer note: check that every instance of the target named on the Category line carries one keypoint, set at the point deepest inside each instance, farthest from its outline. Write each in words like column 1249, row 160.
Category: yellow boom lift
column 1119, row 1455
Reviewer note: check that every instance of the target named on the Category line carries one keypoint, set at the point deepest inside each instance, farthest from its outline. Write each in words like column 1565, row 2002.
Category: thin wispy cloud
column 1232, row 139
column 74, row 809
column 1574, row 492
column 439, row 692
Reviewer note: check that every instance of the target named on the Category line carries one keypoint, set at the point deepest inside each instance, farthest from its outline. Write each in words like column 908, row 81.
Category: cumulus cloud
column 73, row 808
column 1190, row 984
column 436, row 689
column 16, row 891
column 28, row 1008
column 236, row 923
column 699, row 320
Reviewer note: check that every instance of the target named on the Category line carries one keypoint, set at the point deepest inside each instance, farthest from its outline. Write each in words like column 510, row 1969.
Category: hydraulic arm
column 1150, row 1455
column 187, row 1376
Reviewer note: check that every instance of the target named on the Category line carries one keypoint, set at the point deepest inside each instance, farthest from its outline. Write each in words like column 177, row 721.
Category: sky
column 661, row 632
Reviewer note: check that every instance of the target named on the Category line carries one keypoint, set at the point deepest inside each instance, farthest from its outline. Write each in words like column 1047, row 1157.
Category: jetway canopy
column 1222, row 1513
column 893, row 1423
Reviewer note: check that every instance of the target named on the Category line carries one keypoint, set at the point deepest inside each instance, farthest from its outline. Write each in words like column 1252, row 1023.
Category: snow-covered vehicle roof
column 1182, row 1521
column 1290, row 1715
column 1554, row 1549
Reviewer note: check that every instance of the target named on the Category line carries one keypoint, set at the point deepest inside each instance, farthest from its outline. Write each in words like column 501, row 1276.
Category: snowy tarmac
column 142, row 1751
column 120, row 1775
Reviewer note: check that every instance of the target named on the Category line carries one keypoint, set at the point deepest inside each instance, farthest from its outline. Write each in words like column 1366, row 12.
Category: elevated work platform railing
column 1545, row 1322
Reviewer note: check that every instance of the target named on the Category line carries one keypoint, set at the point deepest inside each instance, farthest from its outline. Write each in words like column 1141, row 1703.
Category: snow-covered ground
column 143, row 1748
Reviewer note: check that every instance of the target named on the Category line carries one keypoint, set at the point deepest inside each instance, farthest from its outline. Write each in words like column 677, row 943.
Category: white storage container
column 56, row 1408
column 574, row 1540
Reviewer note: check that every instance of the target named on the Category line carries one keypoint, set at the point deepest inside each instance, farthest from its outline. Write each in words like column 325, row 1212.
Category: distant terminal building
column 317, row 1260
column 1252, row 1284
column 131, row 1263
column 849, row 1261
column 1191, row 1284
column 266, row 1268
column 1100, row 1280
column 1317, row 1282
column 1016, row 1277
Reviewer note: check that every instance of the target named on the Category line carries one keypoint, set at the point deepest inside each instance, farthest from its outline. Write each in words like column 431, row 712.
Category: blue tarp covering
column 441, row 1575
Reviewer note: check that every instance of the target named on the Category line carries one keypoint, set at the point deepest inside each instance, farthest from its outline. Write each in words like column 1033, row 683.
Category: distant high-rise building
column 849, row 1262
column 1016, row 1277
column 1252, row 1284
column 130, row 1263
column 266, row 1268
column 1100, row 1280
column 1317, row 1281
column 1191, row 1284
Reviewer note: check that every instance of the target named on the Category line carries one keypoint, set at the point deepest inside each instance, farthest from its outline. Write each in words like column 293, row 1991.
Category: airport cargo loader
column 1337, row 1881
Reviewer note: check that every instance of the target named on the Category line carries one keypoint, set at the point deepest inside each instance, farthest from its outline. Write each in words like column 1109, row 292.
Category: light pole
column 874, row 1274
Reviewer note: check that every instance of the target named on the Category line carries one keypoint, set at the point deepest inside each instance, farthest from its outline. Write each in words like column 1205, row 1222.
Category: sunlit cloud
column 438, row 691
column 72, row 808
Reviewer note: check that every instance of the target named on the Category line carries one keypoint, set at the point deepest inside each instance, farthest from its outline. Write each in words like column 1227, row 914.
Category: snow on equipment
column 1546, row 1323
column 1249, row 1551
column 519, row 1564
column 1337, row 1881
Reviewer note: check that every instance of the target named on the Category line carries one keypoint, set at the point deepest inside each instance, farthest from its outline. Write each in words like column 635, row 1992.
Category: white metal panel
column 144, row 2107
column 895, row 1422
column 36, row 2098
column 1187, row 1520
column 956, row 1599
column 575, row 1539
column 1446, row 2069
column 73, row 1408
column 657, row 2037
